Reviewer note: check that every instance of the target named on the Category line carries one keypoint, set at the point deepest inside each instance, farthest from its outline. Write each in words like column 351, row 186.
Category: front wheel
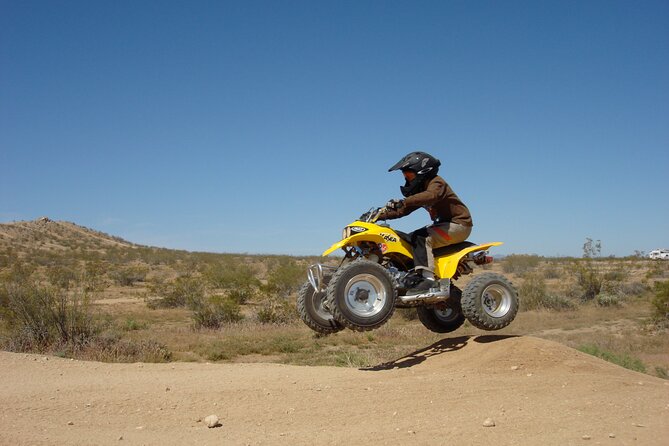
column 490, row 302
column 361, row 295
column 310, row 306
column 443, row 317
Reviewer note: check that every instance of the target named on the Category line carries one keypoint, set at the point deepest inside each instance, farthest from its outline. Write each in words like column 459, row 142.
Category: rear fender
column 446, row 266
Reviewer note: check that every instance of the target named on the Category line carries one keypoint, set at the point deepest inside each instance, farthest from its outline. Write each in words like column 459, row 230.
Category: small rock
column 488, row 422
column 586, row 437
column 514, row 367
column 639, row 425
column 612, row 435
column 70, row 423
column 120, row 438
column 212, row 421
column 167, row 389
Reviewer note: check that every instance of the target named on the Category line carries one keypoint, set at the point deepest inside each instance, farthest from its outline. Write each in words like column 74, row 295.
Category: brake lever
column 375, row 216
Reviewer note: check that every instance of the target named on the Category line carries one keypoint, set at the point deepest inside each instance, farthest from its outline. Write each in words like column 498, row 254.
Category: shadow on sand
column 440, row 347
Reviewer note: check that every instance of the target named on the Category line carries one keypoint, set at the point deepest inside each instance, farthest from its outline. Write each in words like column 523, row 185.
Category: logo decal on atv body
column 388, row 237
column 357, row 229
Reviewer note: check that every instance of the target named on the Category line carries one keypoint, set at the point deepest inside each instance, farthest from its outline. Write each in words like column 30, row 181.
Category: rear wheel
column 361, row 295
column 444, row 317
column 490, row 302
column 310, row 306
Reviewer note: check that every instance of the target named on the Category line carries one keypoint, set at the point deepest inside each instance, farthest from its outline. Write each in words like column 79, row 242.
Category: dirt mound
column 533, row 391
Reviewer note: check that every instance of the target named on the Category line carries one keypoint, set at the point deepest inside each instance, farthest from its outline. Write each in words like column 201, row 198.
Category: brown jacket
column 439, row 200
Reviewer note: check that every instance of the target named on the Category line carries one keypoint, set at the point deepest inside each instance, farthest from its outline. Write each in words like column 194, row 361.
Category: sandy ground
column 537, row 393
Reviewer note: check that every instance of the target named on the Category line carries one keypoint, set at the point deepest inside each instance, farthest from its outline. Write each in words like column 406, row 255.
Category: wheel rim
column 318, row 301
column 496, row 300
column 365, row 295
column 445, row 314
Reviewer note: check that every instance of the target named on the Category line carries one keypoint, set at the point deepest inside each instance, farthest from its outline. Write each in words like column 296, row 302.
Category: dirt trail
column 537, row 392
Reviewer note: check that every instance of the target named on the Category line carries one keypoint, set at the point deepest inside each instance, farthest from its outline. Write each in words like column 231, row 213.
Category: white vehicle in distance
column 659, row 254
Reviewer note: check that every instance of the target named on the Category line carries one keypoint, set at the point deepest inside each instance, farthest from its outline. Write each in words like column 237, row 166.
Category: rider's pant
column 424, row 240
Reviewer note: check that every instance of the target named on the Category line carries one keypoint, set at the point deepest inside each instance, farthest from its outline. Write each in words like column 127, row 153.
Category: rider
column 452, row 222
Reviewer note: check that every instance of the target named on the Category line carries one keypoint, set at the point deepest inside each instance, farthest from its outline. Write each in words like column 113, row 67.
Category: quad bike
column 377, row 271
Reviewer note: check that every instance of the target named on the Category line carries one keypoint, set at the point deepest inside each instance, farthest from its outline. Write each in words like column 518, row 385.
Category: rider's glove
column 395, row 204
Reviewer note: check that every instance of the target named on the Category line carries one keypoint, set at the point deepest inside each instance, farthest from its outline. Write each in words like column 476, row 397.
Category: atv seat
column 451, row 249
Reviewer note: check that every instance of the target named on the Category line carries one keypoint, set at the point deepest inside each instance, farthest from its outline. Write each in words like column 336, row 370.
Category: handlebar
column 372, row 215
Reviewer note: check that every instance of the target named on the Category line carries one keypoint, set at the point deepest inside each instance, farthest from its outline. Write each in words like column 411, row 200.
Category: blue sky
column 267, row 126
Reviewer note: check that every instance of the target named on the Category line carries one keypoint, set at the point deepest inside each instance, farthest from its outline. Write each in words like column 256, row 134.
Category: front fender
column 397, row 245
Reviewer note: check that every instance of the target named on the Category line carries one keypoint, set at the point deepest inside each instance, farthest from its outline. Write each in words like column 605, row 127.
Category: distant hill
column 57, row 238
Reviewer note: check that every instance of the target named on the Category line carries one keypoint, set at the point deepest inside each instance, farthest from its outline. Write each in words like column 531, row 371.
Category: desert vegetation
column 74, row 292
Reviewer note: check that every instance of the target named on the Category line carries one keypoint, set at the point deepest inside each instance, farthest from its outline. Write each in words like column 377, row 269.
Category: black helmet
column 423, row 164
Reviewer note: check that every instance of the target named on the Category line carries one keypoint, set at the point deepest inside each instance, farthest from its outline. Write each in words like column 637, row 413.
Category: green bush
column 128, row 275
column 179, row 293
column 608, row 300
column 520, row 263
column 553, row 272
column 286, row 278
column 588, row 278
column 631, row 289
column 214, row 312
column 276, row 311
column 534, row 296
column 231, row 274
column 41, row 316
column 661, row 302
column 241, row 295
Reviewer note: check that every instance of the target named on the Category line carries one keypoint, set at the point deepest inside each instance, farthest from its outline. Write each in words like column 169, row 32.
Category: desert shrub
column 92, row 276
column 231, row 274
column 659, row 269
column 128, row 275
column 241, row 295
column 588, row 278
column 61, row 276
column 553, row 272
column 110, row 347
column 520, row 263
column 179, row 293
column 237, row 278
column 532, row 291
column 608, row 300
column 274, row 310
column 534, row 296
column 661, row 302
column 285, row 278
column 40, row 316
column 617, row 275
column 214, row 312
column 632, row 289
column 620, row 359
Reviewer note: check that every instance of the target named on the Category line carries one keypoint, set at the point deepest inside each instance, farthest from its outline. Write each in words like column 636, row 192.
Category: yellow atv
column 377, row 271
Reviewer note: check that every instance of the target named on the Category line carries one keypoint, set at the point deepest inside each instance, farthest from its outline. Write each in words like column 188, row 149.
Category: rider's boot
column 424, row 285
